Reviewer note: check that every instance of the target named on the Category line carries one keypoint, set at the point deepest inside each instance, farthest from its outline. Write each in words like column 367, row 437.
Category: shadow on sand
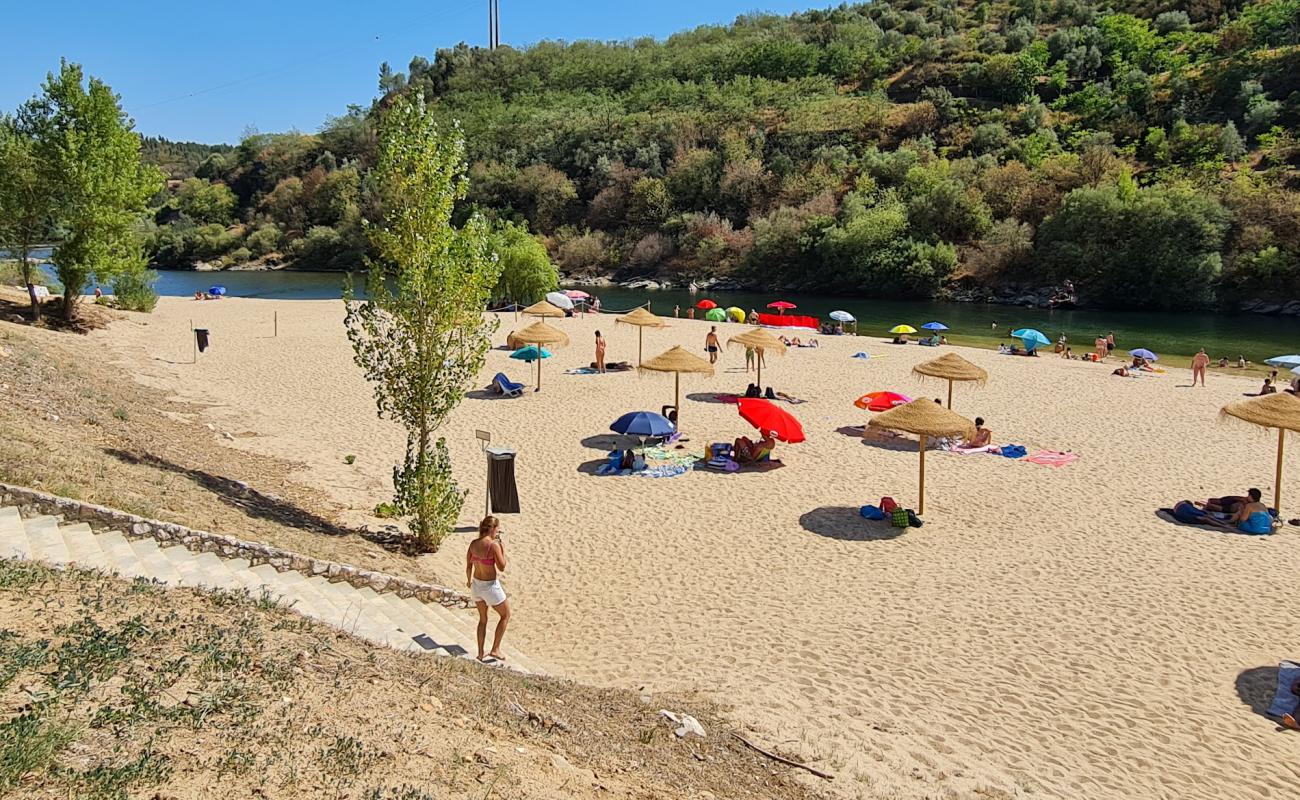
column 844, row 523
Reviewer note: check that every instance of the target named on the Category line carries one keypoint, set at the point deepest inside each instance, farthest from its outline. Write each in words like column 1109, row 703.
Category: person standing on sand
column 1199, row 362
column 1110, row 342
column 749, row 359
column 690, row 312
column 483, row 561
column 677, row 311
column 1100, row 344
column 711, row 344
column 600, row 352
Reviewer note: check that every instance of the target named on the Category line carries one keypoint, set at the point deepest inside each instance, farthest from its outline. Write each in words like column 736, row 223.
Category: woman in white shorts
column 484, row 559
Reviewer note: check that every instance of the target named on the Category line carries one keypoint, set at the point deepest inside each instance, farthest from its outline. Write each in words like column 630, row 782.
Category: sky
column 207, row 72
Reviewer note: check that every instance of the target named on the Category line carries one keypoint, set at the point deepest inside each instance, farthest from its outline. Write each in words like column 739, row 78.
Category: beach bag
column 888, row 504
column 913, row 521
column 871, row 512
column 769, row 394
column 900, row 518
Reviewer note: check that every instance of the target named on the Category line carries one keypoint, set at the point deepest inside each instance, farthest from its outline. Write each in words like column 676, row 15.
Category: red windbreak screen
column 789, row 320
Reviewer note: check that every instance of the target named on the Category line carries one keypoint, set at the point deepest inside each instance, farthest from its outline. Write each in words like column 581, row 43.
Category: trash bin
column 501, row 480
column 201, row 337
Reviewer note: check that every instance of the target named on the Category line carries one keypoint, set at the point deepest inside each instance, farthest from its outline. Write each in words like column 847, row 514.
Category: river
column 1177, row 334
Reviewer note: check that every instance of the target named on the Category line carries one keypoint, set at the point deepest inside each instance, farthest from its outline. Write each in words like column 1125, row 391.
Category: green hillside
column 1145, row 150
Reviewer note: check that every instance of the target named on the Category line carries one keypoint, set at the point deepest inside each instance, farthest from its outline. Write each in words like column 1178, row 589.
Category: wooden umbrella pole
column 539, row 369
column 920, row 508
column 949, row 394
column 760, row 372
column 677, row 398
column 640, row 335
column 1277, row 479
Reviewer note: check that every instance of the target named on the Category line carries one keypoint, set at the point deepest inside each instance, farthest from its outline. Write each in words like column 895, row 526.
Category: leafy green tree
column 1230, row 142
column 26, row 202
column 205, row 202
column 422, row 340
column 93, row 157
column 527, row 273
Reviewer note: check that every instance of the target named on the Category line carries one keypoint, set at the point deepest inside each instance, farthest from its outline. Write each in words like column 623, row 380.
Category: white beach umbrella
column 560, row 300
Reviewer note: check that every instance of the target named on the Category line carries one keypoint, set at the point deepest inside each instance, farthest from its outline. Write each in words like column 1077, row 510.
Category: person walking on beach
column 1110, row 342
column 749, row 359
column 600, row 352
column 483, row 561
column 1199, row 362
column 711, row 344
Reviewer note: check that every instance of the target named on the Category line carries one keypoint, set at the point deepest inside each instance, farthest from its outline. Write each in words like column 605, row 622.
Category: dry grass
column 74, row 426
column 110, row 689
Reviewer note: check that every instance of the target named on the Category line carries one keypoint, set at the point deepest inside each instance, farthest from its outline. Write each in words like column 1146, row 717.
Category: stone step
column 83, row 547
column 13, row 535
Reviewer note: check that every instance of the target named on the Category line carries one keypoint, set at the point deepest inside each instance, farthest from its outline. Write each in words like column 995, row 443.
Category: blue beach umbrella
column 935, row 326
column 1288, row 362
column 642, row 423
column 1144, row 354
column 1033, row 339
column 221, row 290
column 531, row 353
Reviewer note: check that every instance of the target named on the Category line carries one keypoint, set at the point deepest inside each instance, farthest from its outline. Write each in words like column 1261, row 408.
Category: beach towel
column 1052, row 458
column 581, row 371
column 861, row 356
column 1011, row 451
column 968, row 451
column 1286, row 701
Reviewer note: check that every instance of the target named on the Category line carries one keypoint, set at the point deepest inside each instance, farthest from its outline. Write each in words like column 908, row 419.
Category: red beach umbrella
column 706, row 304
column 767, row 418
column 881, row 401
column 782, row 305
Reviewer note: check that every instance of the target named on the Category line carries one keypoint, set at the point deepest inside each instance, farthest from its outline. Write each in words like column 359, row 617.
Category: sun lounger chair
column 505, row 386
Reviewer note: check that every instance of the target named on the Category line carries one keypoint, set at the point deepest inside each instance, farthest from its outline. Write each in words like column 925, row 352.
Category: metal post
column 277, row 323
column 194, row 343
column 485, row 439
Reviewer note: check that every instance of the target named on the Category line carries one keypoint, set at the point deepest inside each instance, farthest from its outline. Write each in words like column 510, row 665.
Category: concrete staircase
column 386, row 619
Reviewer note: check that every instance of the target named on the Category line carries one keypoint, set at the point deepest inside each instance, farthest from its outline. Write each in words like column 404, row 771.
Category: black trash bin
column 501, row 480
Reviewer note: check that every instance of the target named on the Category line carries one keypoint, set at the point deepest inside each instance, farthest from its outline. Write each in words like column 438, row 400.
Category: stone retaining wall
column 32, row 503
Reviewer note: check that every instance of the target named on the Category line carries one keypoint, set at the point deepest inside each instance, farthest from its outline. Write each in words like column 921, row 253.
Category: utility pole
column 494, row 24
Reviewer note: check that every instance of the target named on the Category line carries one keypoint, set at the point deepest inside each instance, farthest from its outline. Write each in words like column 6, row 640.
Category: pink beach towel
column 1052, row 458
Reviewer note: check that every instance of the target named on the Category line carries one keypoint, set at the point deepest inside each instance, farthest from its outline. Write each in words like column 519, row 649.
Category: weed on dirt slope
column 112, row 689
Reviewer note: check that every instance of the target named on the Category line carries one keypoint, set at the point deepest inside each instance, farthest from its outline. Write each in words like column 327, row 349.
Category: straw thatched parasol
column 677, row 360
column 539, row 333
column 542, row 309
column 951, row 367
column 762, row 341
column 1281, row 411
column 924, row 418
column 642, row 319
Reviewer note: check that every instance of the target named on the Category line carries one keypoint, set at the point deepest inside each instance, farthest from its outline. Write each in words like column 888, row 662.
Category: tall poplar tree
column 87, row 146
column 26, row 202
column 421, row 335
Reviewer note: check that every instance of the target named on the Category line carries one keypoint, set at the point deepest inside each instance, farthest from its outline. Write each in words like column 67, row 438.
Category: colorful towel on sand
column 580, row 371
column 1286, row 701
column 970, row 451
column 1052, row 458
column 1010, row 451
column 861, row 356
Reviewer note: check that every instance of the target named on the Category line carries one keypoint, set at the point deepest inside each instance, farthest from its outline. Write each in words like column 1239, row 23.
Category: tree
column 206, row 202
column 101, row 185
column 1230, row 143
column 527, row 273
column 422, row 340
column 26, row 202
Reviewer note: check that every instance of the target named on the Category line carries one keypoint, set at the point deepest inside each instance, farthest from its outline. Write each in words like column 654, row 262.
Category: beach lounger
column 506, row 386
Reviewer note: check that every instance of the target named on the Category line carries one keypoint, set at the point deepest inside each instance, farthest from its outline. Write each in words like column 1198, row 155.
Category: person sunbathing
column 1267, row 388
column 795, row 341
column 1251, row 517
column 983, row 436
column 1289, row 720
column 1122, row 372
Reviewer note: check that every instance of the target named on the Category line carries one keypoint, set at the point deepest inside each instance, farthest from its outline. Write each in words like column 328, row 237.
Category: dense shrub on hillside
column 880, row 148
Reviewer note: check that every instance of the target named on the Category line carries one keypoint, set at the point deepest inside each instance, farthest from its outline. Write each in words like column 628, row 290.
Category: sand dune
column 1045, row 634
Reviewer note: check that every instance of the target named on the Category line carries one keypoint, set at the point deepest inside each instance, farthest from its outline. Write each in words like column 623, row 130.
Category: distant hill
column 1146, row 151
column 178, row 160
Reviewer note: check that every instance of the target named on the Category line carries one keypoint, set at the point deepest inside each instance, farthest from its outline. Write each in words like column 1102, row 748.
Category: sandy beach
column 1044, row 634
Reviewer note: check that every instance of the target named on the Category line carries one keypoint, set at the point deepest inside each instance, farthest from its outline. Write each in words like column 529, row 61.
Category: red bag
column 887, row 505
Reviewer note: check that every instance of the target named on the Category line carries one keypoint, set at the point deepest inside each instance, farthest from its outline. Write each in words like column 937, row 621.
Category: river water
column 1168, row 334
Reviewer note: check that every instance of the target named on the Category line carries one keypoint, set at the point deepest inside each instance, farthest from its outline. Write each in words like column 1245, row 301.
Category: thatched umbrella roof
column 677, row 360
column 951, row 367
column 924, row 418
column 642, row 319
column 542, row 309
column 1281, row 411
column 758, row 339
column 541, row 333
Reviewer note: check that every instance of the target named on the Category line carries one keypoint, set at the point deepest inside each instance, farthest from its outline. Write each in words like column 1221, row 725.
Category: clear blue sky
column 206, row 71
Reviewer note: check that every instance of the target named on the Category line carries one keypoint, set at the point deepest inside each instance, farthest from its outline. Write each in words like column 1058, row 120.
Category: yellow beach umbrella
column 642, row 319
column 677, row 360
column 760, row 340
column 951, row 367
column 897, row 329
column 923, row 418
column 1281, row 411
column 539, row 333
column 542, row 309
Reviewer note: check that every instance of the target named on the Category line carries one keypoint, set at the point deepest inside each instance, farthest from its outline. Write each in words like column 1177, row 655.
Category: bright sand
column 1045, row 634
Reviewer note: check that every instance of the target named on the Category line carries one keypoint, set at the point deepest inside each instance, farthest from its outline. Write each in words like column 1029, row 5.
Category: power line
column 300, row 63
